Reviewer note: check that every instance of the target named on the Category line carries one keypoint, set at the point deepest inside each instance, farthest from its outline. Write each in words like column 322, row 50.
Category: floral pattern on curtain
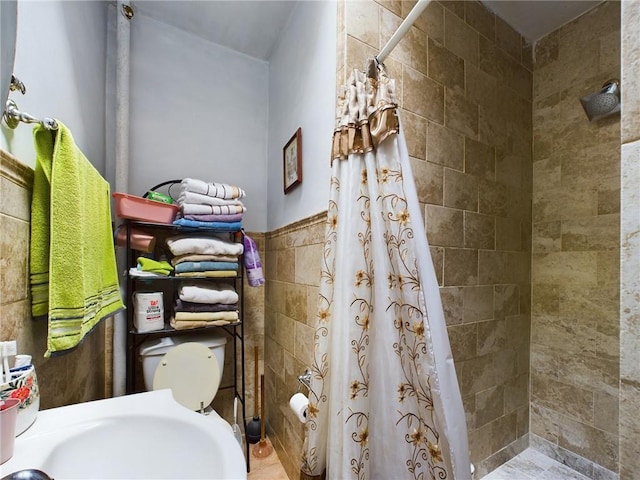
column 374, row 405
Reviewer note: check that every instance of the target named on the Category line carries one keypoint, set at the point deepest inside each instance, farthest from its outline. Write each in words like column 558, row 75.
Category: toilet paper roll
column 299, row 404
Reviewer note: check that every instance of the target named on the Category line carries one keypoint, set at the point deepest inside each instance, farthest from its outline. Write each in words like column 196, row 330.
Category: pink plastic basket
column 138, row 208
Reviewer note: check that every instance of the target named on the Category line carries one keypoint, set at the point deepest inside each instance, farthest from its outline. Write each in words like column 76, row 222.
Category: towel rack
column 12, row 117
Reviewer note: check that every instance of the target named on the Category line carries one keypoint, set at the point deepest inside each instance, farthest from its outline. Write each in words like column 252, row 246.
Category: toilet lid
column 192, row 373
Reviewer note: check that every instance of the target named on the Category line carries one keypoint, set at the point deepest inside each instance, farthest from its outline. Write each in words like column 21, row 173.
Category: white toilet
column 190, row 365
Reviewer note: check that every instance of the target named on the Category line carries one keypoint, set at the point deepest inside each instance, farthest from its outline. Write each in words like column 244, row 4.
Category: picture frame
column 292, row 162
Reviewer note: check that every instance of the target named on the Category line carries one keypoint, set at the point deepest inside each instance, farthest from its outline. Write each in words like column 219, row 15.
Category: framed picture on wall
column 292, row 162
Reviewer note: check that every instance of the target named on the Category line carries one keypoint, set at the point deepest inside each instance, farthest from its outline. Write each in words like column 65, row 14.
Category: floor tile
column 268, row 468
column 533, row 465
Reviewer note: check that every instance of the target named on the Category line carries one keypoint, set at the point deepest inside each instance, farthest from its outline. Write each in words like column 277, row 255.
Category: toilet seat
column 192, row 373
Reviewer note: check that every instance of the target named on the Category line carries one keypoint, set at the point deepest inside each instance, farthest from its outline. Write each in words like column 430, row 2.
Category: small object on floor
column 263, row 449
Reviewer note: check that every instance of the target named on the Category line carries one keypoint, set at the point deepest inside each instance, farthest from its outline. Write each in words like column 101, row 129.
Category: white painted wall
column 302, row 88
column 60, row 57
column 197, row 110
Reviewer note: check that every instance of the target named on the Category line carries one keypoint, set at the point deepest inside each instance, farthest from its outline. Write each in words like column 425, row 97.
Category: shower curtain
column 384, row 400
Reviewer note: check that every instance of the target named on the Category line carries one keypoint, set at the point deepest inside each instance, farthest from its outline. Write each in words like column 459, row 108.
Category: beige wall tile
column 630, row 72
column 481, row 87
column 480, row 18
column 479, row 159
column 629, row 430
column 489, row 405
column 445, row 147
column 589, row 372
column 573, row 335
column 16, row 200
column 479, row 230
column 476, row 374
column 394, row 6
column 307, row 264
column 503, row 431
column 428, row 179
column 460, row 266
column 506, row 300
column 567, row 268
column 566, row 399
column 437, row 257
column 547, row 237
column 508, row 234
column 609, row 198
column 422, row 96
column 459, row 37
column 356, row 56
column 589, row 442
column 606, row 411
column 463, row 339
column 452, row 304
column 546, row 173
column 445, row 67
column 492, row 337
column 492, row 198
column 508, row 39
column 363, row 21
column 516, row 394
column 544, row 360
column 430, row 21
column 412, row 49
column 478, row 303
column 285, row 265
column 460, row 190
column 14, row 257
column 460, row 114
column 444, row 226
column 598, row 304
column 415, row 128
column 492, row 267
column 509, row 168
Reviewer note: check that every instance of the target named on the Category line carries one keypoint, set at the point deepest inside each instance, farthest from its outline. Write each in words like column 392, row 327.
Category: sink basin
column 143, row 436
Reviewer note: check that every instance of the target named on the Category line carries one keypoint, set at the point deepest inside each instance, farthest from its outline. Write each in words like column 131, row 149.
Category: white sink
column 143, row 436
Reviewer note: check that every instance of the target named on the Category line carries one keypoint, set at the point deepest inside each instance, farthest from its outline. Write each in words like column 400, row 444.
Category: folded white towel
column 220, row 190
column 195, row 294
column 199, row 209
column 181, row 245
column 198, row 198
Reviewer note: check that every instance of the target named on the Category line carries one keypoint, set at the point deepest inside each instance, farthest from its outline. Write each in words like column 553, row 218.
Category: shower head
column 604, row 102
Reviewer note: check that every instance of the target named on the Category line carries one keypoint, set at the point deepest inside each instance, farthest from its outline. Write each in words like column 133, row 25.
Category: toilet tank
column 153, row 349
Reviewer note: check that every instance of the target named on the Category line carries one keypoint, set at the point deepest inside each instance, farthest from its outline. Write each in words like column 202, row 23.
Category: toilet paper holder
column 305, row 379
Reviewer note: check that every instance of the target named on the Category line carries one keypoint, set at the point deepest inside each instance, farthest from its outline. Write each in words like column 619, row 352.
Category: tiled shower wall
column 292, row 266
column 575, row 267
column 630, row 245
column 463, row 80
column 75, row 377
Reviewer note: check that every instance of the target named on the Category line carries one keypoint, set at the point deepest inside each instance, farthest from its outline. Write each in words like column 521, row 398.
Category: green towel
column 149, row 265
column 74, row 278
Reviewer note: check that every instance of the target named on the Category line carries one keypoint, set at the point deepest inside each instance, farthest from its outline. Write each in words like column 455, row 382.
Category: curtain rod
column 402, row 29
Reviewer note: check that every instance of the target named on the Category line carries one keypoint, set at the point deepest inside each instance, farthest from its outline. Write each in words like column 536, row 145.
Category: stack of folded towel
column 211, row 256
column 147, row 267
column 199, row 306
column 210, row 205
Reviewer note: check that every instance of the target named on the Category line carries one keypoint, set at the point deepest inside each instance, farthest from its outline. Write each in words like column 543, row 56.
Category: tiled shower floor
column 529, row 465
column 533, row 465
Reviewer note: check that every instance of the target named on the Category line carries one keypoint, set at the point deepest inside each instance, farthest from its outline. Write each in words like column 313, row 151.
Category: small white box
column 148, row 311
